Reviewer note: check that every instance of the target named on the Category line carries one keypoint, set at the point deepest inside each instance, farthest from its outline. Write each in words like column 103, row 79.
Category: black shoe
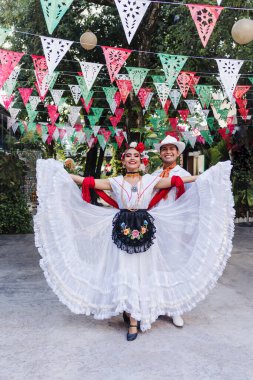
column 131, row 337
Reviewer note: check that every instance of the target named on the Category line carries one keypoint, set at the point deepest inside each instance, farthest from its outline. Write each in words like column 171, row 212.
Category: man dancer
column 170, row 149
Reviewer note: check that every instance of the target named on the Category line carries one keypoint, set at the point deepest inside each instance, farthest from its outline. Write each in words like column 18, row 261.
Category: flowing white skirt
column 91, row 275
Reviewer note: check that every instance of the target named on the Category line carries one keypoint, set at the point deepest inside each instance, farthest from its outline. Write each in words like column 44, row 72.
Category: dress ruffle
column 90, row 275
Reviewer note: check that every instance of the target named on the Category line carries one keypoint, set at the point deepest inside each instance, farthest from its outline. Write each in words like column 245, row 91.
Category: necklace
column 132, row 174
column 134, row 189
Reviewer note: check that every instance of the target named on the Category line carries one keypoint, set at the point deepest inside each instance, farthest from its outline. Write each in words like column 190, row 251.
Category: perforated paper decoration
column 172, row 65
column 73, row 115
column 3, row 34
column 148, row 100
column 76, row 92
column 175, row 96
column 90, row 72
column 184, row 81
column 54, row 50
column 240, row 91
column 163, row 92
column 10, row 83
column 115, row 59
column 143, row 95
column 205, row 18
column 25, row 93
column 219, row 2
column 53, row 11
column 228, row 70
column 137, row 76
column 131, row 13
column 9, row 60
column 192, row 105
column 83, row 88
column 190, row 137
column 57, row 95
column 205, row 94
column 34, row 101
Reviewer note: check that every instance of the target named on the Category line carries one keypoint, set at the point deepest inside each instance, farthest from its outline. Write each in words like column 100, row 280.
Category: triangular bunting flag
column 31, row 113
column 25, row 94
column 53, row 11
column 87, row 106
column 101, row 141
column 119, row 139
column 76, row 92
column 57, row 95
column 207, row 136
column 131, row 13
column 52, row 112
column 95, row 129
column 240, row 91
column 172, row 65
column 137, row 76
column 143, row 95
column 167, row 106
column 175, row 96
column 148, row 100
column 115, row 59
column 125, row 87
column 205, row 94
column 90, row 71
column 194, row 82
column 184, row 114
column 74, row 114
column 54, row 50
column 229, row 69
column 192, row 105
column 9, row 60
column 184, row 81
column 3, row 34
column 163, row 92
column 6, row 101
column 189, row 137
column 205, row 18
column 34, row 101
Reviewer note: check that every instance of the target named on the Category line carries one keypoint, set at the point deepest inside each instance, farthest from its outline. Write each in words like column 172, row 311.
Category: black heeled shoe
column 131, row 337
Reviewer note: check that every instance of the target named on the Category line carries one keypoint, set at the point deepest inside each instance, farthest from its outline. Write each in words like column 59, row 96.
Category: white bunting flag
column 131, row 13
column 228, row 70
column 34, row 101
column 57, row 95
column 175, row 96
column 76, row 92
column 54, row 51
column 90, row 72
column 10, row 83
column 163, row 91
column 193, row 105
column 189, row 136
column 219, row 2
column 74, row 115
column 96, row 129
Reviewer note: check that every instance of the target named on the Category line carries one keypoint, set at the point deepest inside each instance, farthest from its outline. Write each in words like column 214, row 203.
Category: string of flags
column 131, row 13
column 192, row 124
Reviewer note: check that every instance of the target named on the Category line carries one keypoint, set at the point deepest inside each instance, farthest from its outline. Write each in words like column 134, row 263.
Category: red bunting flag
column 115, row 59
column 52, row 112
column 173, row 134
column 205, row 18
column 87, row 107
column 143, row 95
column 240, row 91
column 39, row 129
column 173, row 122
column 119, row 139
column 242, row 103
column 125, row 87
column 114, row 121
column 41, row 69
column 62, row 133
column 25, row 94
column 9, row 60
column 105, row 133
column 184, row 114
column 119, row 113
column 194, row 82
column 184, row 80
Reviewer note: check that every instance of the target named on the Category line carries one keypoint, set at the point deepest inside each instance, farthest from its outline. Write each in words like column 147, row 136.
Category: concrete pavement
column 41, row 339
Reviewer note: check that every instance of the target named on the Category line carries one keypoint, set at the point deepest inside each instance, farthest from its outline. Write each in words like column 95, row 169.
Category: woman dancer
column 104, row 261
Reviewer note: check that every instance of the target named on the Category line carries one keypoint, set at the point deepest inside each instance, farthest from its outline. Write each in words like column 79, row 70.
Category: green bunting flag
column 101, row 141
column 53, row 11
column 210, row 122
column 97, row 112
column 205, row 94
column 207, row 136
column 172, row 65
column 137, row 76
column 223, row 113
column 31, row 114
column 216, row 103
column 83, row 88
column 88, row 132
column 250, row 79
column 158, row 78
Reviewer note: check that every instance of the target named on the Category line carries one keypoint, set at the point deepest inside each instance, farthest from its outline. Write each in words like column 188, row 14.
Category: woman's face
column 132, row 160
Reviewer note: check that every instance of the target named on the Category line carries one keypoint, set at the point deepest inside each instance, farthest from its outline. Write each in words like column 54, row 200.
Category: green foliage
column 14, row 214
column 216, row 153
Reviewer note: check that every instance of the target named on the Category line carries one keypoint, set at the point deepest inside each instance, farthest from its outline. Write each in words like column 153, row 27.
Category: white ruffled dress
column 90, row 275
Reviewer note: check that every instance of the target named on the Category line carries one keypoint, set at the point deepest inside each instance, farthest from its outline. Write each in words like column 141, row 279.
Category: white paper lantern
column 242, row 31
column 88, row 40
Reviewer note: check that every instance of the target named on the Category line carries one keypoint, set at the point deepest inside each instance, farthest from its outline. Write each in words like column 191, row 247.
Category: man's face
column 169, row 153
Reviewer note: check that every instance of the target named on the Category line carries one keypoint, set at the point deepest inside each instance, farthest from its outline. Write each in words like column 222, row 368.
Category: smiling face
column 169, row 154
column 132, row 160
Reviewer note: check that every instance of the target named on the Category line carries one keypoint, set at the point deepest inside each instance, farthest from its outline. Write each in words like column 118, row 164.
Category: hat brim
column 179, row 144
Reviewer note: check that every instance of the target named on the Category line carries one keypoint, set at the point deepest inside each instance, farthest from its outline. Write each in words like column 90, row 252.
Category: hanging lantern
column 88, row 40
column 242, row 31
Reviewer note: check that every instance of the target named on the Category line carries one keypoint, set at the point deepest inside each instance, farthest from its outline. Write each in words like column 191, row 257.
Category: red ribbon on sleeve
column 89, row 183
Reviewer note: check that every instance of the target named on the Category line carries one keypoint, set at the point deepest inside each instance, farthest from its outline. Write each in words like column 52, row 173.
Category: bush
column 14, row 214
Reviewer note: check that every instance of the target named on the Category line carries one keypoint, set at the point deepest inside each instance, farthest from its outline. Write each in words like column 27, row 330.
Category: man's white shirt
column 178, row 171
